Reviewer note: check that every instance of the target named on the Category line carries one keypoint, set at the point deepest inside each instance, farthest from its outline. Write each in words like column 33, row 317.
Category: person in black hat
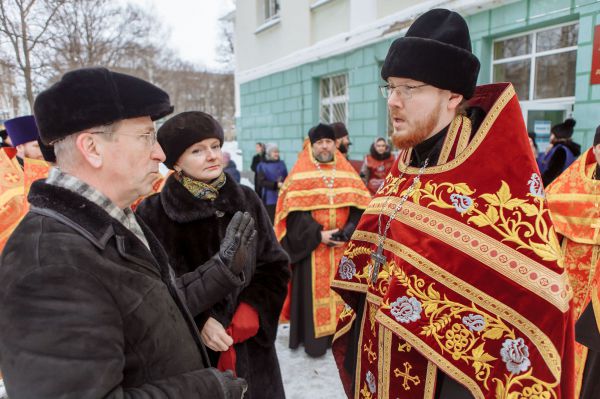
column 190, row 218
column 24, row 134
column 561, row 153
column 415, row 288
column 89, row 306
column 342, row 137
column 318, row 208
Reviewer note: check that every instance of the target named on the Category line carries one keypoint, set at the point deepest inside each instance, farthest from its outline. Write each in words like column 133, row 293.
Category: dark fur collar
column 93, row 221
column 182, row 207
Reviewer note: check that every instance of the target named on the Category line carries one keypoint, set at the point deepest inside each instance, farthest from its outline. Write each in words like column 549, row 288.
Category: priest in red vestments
column 19, row 168
column 452, row 280
column 319, row 206
column 574, row 203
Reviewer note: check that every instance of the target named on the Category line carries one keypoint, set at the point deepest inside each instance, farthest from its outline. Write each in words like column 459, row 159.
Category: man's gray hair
column 66, row 150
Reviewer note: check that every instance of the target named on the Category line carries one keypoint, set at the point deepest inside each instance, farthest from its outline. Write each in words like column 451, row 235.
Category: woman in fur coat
column 190, row 216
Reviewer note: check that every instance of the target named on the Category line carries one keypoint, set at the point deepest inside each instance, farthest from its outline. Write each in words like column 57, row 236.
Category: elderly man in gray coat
column 88, row 306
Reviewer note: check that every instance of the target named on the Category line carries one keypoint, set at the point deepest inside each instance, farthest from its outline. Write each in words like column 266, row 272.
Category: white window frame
column 532, row 57
column 270, row 10
column 332, row 100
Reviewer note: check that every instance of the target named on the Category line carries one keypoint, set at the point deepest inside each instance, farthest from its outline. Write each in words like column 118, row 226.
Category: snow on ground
column 304, row 376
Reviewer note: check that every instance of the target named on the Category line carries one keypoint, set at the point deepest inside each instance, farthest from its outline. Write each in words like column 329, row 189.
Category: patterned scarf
column 204, row 191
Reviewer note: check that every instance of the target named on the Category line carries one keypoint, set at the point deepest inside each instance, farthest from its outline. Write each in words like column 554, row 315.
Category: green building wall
column 282, row 107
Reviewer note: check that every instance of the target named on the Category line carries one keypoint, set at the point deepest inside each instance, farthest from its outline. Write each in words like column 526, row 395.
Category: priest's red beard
column 418, row 133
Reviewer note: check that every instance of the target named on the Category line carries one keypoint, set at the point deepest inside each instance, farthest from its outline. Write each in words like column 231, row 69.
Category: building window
column 540, row 64
column 271, row 8
column 334, row 99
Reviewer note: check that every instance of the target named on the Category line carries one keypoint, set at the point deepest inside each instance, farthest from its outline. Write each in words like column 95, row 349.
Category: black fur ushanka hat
column 185, row 129
column 88, row 97
column 435, row 50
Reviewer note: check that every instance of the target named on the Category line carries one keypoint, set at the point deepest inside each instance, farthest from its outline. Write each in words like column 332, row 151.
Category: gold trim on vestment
column 357, row 287
column 430, row 380
column 541, row 341
column 344, row 329
column 339, row 174
column 576, row 197
column 446, row 366
column 525, row 272
column 11, row 193
column 465, row 135
column 450, row 139
column 482, row 132
column 596, row 306
column 359, row 355
column 325, row 191
column 384, row 360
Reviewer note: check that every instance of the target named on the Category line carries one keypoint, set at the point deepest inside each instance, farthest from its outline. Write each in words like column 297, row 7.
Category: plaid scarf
column 198, row 189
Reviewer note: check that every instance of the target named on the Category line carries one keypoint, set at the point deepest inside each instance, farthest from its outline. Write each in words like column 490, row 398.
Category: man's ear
column 91, row 149
column 454, row 101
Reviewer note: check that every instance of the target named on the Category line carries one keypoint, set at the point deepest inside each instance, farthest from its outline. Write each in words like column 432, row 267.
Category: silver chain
column 407, row 193
column 328, row 183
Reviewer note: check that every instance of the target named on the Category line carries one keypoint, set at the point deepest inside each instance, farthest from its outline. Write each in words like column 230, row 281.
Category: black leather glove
column 236, row 245
column 233, row 387
column 345, row 233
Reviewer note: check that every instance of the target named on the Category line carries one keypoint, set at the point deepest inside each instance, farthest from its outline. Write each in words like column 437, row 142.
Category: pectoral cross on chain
column 378, row 260
column 596, row 227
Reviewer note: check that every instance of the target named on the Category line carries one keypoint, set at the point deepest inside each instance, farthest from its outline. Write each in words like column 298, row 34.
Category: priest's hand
column 238, row 240
column 214, row 336
column 327, row 240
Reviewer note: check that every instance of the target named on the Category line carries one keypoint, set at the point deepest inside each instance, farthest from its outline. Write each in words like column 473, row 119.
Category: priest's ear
column 455, row 101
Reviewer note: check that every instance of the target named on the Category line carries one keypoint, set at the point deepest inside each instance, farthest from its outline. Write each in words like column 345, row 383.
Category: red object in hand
column 244, row 323
column 228, row 358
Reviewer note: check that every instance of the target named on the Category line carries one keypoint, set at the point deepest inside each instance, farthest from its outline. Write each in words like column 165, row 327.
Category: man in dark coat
column 191, row 223
column 89, row 308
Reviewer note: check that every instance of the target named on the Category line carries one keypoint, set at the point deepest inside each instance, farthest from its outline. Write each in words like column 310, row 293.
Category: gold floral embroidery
column 365, row 393
column 457, row 340
column 516, row 220
column 372, row 313
column 538, row 390
column 446, row 324
column 353, row 250
column 391, row 185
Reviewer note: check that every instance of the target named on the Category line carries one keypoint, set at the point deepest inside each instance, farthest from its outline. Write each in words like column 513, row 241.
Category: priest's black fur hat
column 339, row 129
column 184, row 130
column 321, row 131
column 90, row 97
column 435, row 50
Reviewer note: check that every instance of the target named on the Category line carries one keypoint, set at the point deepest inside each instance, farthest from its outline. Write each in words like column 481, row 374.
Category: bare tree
column 25, row 24
column 102, row 32
column 225, row 47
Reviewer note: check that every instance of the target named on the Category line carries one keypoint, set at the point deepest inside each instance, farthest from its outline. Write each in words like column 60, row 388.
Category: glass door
column 541, row 116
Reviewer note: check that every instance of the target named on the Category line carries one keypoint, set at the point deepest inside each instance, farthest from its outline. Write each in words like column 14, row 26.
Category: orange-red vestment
column 14, row 187
column 473, row 284
column 574, row 203
column 305, row 190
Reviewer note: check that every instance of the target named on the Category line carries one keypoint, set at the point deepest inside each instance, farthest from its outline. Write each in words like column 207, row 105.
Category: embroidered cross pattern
column 406, row 377
column 378, row 260
column 11, row 177
column 371, row 356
